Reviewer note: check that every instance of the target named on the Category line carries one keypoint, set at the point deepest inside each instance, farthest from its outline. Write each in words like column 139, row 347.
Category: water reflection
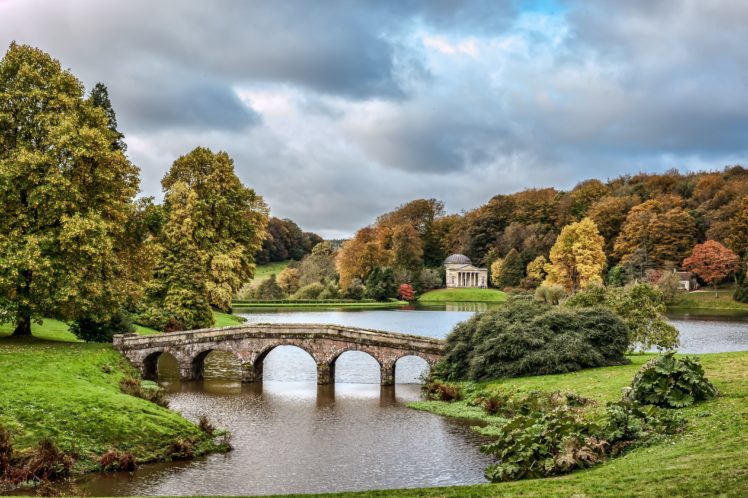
column 294, row 437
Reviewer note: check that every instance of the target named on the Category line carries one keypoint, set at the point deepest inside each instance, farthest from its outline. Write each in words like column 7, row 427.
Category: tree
column 99, row 97
column 359, row 256
column 641, row 306
column 584, row 195
column 609, row 214
column 536, row 269
column 577, row 258
column 66, row 195
column 738, row 238
column 712, row 262
column 512, row 270
column 230, row 221
column 496, row 272
column 406, row 293
column 380, row 285
column 318, row 266
column 176, row 296
column 289, row 280
column 656, row 233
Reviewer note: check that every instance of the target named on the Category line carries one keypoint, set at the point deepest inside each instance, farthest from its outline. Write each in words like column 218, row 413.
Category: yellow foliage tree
column 577, row 257
column 496, row 271
column 536, row 269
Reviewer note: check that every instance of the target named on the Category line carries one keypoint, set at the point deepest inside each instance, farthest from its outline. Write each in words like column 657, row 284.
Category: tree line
column 76, row 243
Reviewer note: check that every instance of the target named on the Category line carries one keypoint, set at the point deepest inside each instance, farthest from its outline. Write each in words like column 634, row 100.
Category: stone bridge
column 250, row 344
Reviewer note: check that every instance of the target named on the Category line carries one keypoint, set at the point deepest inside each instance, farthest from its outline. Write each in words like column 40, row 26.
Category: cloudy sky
column 337, row 111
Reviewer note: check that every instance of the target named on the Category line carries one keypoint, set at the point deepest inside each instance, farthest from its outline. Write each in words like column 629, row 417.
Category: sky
column 338, row 111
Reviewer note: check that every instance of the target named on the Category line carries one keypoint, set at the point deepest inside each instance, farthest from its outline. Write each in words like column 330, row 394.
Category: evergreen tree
column 512, row 270
column 66, row 195
column 229, row 219
column 99, row 97
column 380, row 284
column 176, row 296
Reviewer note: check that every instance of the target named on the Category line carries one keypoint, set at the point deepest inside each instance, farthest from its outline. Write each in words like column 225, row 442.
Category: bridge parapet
column 250, row 343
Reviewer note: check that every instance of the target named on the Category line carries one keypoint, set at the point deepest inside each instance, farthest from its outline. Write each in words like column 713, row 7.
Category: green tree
column 176, row 296
column 512, row 270
column 229, row 220
column 66, row 195
column 99, row 97
column 380, row 284
column 577, row 257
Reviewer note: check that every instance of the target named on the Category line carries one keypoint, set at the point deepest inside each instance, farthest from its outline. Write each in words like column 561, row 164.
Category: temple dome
column 457, row 259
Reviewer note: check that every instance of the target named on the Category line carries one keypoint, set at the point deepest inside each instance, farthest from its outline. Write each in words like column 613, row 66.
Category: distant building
column 686, row 280
column 461, row 273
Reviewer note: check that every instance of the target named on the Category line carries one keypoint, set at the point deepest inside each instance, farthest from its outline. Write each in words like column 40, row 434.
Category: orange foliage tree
column 712, row 262
column 406, row 292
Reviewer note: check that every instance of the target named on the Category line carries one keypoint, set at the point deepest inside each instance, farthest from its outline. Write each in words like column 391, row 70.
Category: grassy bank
column 709, row 459
column 239, row 305
column 706, row 299
column 264, row 271
column 69, row 392
column 463, row 295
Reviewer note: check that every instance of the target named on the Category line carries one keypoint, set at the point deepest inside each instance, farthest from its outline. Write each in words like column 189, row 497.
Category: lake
column 292, row 436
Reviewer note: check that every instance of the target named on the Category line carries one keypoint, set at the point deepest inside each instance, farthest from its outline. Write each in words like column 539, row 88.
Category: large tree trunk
column 23, row 323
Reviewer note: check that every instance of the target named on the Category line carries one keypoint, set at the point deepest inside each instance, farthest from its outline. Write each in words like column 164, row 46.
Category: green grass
column 463, row 295
column 707, row 300
column 708, row 459
column 264, row 271
column 69, row 392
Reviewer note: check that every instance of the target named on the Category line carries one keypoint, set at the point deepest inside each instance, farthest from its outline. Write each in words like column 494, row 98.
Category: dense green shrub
column 543, row 444
column 671, row 382
column 381, row 285
column 524, row 338
column 550, row 294
column 628, row 423
column 741, row 291
column 96, row 330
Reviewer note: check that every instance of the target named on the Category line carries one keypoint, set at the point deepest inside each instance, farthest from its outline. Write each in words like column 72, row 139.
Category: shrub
column 182, row 449
column 431, row 278
column 525, row 338
column 311, row 291
column 95, row 330
column 671, row 382
column 628, row 422
column 550, row 294
column 380, row 284
column 508, row 405
column 441, row 391
column 741, row 291
column 542, row 444
column 205, row 425
column 355, row 290
column 114, row 460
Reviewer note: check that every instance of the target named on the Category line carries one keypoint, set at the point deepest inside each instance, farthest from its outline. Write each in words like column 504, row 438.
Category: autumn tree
column 656, row 233
column 176, row 296
column 712, row 262
column 406, row 292
column 496, row 272
column 359, row 256
column 289, row 280
column 230, row 221
column 67, row 195
column 737, row 240
column 577, row 258
column 584, row 195
column 536, row 269
column 609, row 214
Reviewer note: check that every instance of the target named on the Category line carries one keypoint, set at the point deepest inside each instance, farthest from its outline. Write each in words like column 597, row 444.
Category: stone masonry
column 251, row 344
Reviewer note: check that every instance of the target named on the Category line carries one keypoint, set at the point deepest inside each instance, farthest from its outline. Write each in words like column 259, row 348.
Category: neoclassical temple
column 462, row 273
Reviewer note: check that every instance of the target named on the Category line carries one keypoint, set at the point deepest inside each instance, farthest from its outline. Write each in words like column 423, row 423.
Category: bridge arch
column 334, row 361
column 149, row 369
column 254, row 369
column 411, row 358
column 196, row 363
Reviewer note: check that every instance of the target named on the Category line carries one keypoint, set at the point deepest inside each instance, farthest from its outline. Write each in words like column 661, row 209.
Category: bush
column 525, row 338
column 671, row 382
column 741, row 291
column 311, row 291
column 629, row 423
column 114, row 461
column 543, row 444
column 380, row 284
column 669, row 285
column 550, row 294
column 95, row 330
column 355, row 290
column 431, row 278
column 441, row 391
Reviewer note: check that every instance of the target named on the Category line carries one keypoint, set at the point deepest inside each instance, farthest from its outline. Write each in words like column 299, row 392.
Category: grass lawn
column 705, row 299
column 709, row 459
column 69, row 392
column 264, row 271
column 463, row 295
column 239, row 305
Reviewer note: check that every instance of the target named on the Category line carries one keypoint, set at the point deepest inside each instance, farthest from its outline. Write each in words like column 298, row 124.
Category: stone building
column 462, row 273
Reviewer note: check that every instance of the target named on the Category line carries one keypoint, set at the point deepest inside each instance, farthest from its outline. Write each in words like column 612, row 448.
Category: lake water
column 291, row 436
